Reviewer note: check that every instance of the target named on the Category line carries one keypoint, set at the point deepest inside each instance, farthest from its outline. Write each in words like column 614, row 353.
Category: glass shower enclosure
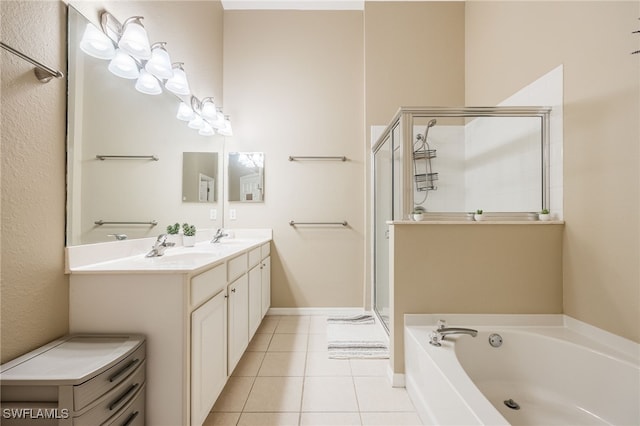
column 446, row 163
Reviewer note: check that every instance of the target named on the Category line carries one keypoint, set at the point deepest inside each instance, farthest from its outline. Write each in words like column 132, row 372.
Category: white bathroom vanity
column 197, row 306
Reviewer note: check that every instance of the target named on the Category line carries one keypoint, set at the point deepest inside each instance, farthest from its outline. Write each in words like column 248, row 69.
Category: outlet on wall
column 232, row 214
column 213, row 214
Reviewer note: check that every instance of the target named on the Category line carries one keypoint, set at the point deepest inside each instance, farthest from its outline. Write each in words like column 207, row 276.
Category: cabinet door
column 208, row 356
column 238, row 320
column 266, row 284
column 255, row 299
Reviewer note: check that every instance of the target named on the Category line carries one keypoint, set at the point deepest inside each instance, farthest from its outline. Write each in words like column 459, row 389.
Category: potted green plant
column 544, row 215
column 478, row 216
column 189, row 238
column 418, row 213
column 173, row 234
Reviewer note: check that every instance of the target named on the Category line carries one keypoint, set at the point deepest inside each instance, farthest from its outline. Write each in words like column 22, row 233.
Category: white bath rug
column 356, row 337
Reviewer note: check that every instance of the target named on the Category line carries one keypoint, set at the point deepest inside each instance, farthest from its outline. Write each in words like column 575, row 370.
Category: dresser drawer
column 111, row 403
column 132, row 414
column 237, row 266
column 207, row 284
column 91, row 390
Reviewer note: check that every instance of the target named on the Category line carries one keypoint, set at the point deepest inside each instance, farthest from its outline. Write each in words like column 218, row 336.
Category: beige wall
column 34, row 289
column 508, row 45
column 471, row 268
column 293, row 81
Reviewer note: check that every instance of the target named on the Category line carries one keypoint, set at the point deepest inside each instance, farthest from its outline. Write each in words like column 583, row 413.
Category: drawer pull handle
column 124, row 396
column 123, row 369
column 131, row 418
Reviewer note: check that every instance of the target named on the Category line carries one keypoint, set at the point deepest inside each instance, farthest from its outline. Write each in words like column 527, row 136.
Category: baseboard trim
column 316, row 311
column 397, row 380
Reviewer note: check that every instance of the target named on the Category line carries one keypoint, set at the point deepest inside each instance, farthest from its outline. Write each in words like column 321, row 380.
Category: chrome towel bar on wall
column 102, row 222
column 335, row 158
column 43, row 73
column 294, row 223
column 127, row 157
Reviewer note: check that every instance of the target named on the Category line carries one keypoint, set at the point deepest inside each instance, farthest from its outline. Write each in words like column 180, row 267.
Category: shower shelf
column 424, row 181
column 423, row 154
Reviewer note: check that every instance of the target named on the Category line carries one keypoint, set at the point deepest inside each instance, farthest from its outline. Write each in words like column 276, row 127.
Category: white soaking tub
column 554, row 369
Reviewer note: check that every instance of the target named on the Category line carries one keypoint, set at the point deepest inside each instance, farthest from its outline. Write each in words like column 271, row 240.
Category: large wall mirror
column 246, row 177
column 137, row 188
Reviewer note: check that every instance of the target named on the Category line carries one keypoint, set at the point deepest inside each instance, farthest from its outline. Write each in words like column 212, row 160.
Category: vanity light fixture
column 131, row 56
column 178, row 83
column 148, row 84
column 96, row 43
column 160, row 63
column 134, row 38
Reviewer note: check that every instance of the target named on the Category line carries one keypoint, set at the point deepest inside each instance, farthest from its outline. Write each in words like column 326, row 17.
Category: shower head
column 431, row 123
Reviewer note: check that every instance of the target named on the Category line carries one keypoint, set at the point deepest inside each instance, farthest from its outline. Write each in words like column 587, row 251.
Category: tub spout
column 442, row 331
column 457, row 330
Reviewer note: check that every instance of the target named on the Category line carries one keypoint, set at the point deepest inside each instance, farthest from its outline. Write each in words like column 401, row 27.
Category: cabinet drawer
column 132, row 414
column 237, row 266
column 111, row 403
column 254, row 257
column 207, row 284
column 92, row 389
column 265, row 250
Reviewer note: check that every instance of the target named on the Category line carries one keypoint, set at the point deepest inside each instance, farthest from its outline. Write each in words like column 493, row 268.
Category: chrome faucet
column 160, row 246
column 438, row 335
column 219, row 234
column 118, row 237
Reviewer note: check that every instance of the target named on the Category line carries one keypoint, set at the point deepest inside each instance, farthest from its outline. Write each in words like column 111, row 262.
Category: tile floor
column 286, row 378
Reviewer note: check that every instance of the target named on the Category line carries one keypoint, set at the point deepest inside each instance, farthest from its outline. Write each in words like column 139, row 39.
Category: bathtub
column 558, row 370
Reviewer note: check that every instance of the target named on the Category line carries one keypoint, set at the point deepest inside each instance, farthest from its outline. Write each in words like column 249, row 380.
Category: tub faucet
column 442, row 331
column 160, row 246
column 219, row 234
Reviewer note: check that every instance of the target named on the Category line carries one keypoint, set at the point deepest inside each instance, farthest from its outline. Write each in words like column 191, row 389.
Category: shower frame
column 402, row 194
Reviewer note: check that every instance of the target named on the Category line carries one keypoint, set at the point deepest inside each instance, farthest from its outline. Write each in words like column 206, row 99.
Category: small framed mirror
column 246, row 177
column 199, row 177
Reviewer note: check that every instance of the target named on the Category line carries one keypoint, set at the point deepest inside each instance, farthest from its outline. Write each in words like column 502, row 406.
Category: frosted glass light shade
column 96, row 43
column 160, row 63
column 206, row 130
column 208, row 110
column 185, row 113
column 124, row 65
column 218, row 122
column 178, row 82
column 148, row 84
column 134, row 39
column 196, row 123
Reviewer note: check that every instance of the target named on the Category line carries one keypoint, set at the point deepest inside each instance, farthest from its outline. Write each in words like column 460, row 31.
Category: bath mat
column 358, row 319
column 358, row 349
column 356, row 337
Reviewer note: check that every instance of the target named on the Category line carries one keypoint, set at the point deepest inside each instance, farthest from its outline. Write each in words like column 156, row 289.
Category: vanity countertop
column 87, row 260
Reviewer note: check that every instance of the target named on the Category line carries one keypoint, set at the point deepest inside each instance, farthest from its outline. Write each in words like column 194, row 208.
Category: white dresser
column 77, row 380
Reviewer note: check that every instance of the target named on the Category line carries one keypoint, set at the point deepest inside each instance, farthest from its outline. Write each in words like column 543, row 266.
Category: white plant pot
column 478, row 217
column 189, row 241
column 417, row 216
column 544, row 217
column 176, row 239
